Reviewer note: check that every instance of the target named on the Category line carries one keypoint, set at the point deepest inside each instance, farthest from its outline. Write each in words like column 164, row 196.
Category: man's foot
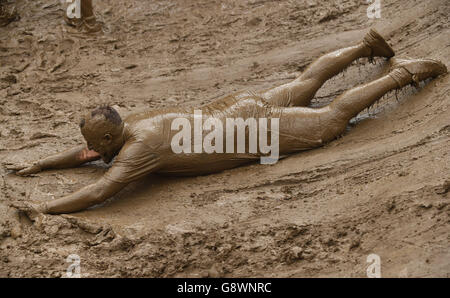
column 7, row 15
column 91, row 25
column 378, row 46
column 84, row 25
column 409, row 71
column 74, row 22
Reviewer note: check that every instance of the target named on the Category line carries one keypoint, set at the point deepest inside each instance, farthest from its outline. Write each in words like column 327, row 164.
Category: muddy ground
column 383, row 188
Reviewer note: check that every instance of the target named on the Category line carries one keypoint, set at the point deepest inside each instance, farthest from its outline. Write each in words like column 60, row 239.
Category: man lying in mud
column 142, row 143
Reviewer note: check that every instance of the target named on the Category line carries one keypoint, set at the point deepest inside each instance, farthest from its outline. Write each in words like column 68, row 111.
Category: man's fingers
column 15, row 167
column 22, row 169
column 30, row 209
column 25, row 172
column 28, row 171
column 20, row 205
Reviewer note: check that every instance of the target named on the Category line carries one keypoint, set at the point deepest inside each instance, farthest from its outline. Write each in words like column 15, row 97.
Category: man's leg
column 86, row 9
column 90, row 23
column 303, row 128
column 300, row 91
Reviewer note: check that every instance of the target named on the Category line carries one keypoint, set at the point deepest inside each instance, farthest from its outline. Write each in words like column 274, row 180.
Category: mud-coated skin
column 143, row 140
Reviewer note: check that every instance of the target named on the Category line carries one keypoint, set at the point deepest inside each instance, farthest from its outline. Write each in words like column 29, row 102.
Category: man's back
column 151, row 135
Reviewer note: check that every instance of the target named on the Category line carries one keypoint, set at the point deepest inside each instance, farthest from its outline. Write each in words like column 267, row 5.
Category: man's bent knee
column 333, row 124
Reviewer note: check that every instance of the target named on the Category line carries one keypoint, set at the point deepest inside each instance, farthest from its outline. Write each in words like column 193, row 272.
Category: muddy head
column 103, row 130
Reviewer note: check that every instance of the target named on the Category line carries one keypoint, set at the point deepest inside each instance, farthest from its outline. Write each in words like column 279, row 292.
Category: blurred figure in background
column 8, row 13
column 80, row 14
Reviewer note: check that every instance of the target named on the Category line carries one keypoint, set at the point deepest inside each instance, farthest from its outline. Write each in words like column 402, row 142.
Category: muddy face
column 95, row 141
column 102, row 136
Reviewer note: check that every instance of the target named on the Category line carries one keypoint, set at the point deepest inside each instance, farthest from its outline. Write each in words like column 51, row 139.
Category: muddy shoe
column 413, row 71
column 74, row 22
column 84, row 25
column 7, row 15
column 377, row 44
column 91, row 25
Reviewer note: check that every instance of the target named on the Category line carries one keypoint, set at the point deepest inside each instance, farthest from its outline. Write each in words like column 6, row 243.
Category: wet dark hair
column 110, row 114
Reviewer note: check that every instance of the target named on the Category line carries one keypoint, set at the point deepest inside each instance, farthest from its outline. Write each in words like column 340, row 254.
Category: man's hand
column 31, row 209
column 24, row 169
column 71, row 158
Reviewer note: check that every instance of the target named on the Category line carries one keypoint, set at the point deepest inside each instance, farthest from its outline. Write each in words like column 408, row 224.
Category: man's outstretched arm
column 68, row 159
column 88, row 196
column 133, row 162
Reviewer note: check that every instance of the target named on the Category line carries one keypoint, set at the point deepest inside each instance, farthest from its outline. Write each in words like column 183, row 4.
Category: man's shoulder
column 143, row 134
column 135, row 146
column 134, row 161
